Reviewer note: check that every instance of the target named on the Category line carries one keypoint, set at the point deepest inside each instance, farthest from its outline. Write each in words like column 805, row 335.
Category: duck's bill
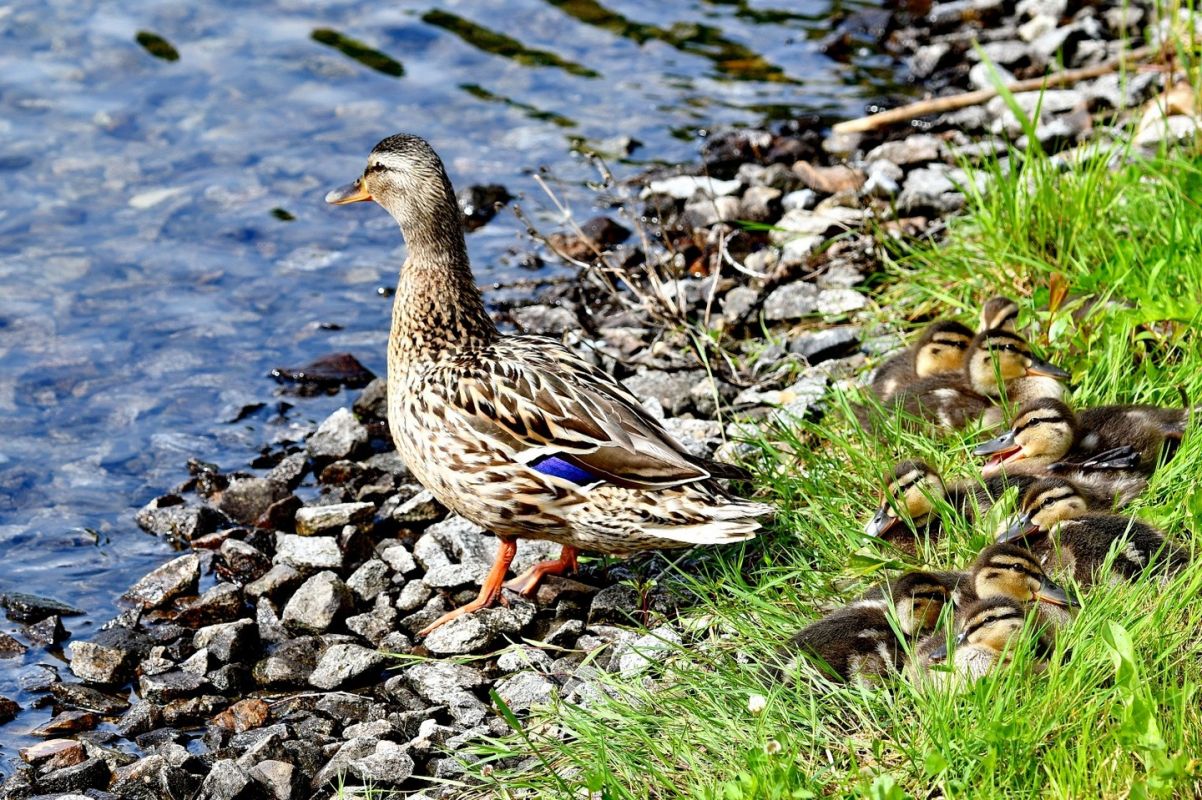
column 1002, row 446
column 1019, row 528
column 1051, row 593
column 940, row 652
column 351, row 193
column 881, row 523
column 1048, row 370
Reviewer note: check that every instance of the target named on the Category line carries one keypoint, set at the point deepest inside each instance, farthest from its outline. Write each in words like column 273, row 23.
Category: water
column 146, row 286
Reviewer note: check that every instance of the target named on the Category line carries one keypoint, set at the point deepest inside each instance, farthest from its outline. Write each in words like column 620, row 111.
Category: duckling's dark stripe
column 937, row 595
column 1032, row 422
column 979, row 623
column 959, row 344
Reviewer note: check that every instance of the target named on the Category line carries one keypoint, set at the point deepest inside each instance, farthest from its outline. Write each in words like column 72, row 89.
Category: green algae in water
column 353, row 48
column 157, row 46
column 497, row 44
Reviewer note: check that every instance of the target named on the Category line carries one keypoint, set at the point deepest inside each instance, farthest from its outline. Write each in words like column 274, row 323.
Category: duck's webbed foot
column 527, row 583
column 490, row 589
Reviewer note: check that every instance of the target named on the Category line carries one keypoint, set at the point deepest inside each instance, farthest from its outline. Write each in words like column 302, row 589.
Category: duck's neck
column 437, row 309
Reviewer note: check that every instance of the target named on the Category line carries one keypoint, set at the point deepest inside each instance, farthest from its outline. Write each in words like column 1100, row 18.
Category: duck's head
column 919, row 598
column 406, row 177
column 998, row 356
column 992, row 624
column 910, row 494
column 1046, row 503
column 1043, row 432
column 1010, row 571
column 941, row 349
column 999, row 313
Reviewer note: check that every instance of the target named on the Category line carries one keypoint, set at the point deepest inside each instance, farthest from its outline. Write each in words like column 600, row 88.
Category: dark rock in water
column 86, row 698
column 339, row 436
column 54, row 754
column 91, row 774
column 10, row 647
column 171, row 580
column 480, row 203
column 109, row 656
column 18, row 786
column 372, row 403
column 598, row 234
column 222, row 602
column 142, row 716
column 168, row 516
column 326, row 374
column 22, row 607
column 246, row 499
column 724, row 152
column 170, row 686
column 290, row 469
column 317, row 603
column 228, row 641
column 66, row 722
column 8, row 709
column 312, row 520
column 46, row 632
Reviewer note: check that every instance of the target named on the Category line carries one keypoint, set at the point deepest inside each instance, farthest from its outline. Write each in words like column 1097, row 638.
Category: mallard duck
column 999, row 313
column 909, row 508
column 1047, row 436
column 517, row 433
column 1055, row 522
column 989, row 632
column 940, row 350
column 999, row 366
column 857, row 642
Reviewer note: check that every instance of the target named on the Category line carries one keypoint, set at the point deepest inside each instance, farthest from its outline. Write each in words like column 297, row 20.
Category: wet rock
column 228, row 641
column 23, row 607
column 47, row 631
column 242, row 562
column 522, row 691
column 342, row 663
column 480, row 203
column 790, row 301
column 829, row 180
column 90, row 774
column 54, row 754
column 222, row 602
column 170, row 686
column 326, row 374
column 8, row 709
column 388, row 765
column 369, row 579
column 86, row 698
column 142, row 716
column 277, row 580
column 246, row 499
column 174, row 578
column 340, row 435
column 684, row 187
column 317, row 603
column 313, row 520
column 279, row 779
column 225, row 781
column 108, row 658
column 10, row 647
column 169, row 517
column 191, row 710
column 307, row 553
column 66, row 722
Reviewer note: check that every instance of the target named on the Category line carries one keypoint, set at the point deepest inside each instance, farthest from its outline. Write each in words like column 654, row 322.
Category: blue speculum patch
column 554, row 465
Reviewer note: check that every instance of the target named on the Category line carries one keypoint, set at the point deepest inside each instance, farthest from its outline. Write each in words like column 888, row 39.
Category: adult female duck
column 517, row 433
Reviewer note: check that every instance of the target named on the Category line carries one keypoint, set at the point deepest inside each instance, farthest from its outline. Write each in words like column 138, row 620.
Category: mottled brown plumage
column 940, row 350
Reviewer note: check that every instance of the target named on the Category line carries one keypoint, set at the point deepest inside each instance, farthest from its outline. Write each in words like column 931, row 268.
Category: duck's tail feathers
column 729, row 522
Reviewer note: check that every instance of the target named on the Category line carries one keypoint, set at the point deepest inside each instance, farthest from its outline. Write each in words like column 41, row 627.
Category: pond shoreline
column 262, row 659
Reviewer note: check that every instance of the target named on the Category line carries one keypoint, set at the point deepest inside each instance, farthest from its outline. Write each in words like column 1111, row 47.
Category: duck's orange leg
column 528, row 581
column 490, row 590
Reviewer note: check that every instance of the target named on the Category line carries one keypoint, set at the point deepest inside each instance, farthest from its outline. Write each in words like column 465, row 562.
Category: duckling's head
column 1047, row 502
column 1043, row 432
column 992, row 624
column 999, row 313
column 919, row 598
column 998, row 356
column 941, row 349
column 407, row 178
column 910, row 494
column 1006, row 570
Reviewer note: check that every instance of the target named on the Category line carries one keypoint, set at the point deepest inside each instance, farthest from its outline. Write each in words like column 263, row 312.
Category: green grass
column 1119, row 717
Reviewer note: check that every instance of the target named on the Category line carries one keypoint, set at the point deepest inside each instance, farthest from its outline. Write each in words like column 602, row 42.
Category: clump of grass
column 1107, row 265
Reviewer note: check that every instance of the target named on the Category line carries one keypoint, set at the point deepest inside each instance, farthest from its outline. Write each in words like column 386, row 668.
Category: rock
column 242, row 562
column 317, row 603
column 398, row 558
column 884, row 179
column 307, row 553
column 279, row 779
column 437, row 681
column 66, row 722
column 246, row 499
column 524, row 690
column 109, row 657
column 915, row 149
column 54, row 754
column 943, row 15
column 1177, row 128
column 244, row 715
column 10, row 647
column 312, row 520
column 46, row 632
column 369, row 580
column 803, row 200
column 647, row 651
column 153, row 777
column 174, row 578
column 825, row 344
column 518, row 657
column 760, row 204
column 413, row 595
column 699, row 436
column 617, row 603
column 684, row 187
column 169, row 517
column 293, row 467
column 8, row 709
column 669, row 388
column 225, row 781
column 170, row 686
column 342, row 663
column 228, row 641
column 545, row 320
column 839, row 302
column 340, row 435
column 829, row 180
column 790, row 301
column 291, row 662
column 142, row 716
column 326, row 374
column 468, row 634
column 480, row 203
column 929, row 188
column 1048, row 103
column 23, row 607
column 928, row 58
column 275, row 581
column 711, row 211
column 738, row 302
column 90, row 774
column 1009, row 54
column 222, row 602
column 387, row 765
column 191, row 710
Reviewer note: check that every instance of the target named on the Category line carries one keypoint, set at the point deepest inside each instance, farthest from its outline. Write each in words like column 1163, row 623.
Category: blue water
column 146, row 289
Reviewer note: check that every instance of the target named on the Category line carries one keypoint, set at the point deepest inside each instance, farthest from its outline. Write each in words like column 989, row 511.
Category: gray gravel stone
column 413, row 596
column 684, row 187
column 248, row 498
column 827, row 343
column 280, row 578
column 738, row 301
column 312, row 520
column 839, row 302
column 671, row 389
column 647, row 651
column 519, row 657
column 317, row 603
column 915, row 149
column 342, row 663
column 928, row 58
column 340, row 435
column 524, row 690
column 791, row 301
column 369, row 580
column 307, row 553
column 228, row 641
column 278, row 778
column 546, row 320
column 91, row 774
column 699, row 436
column 704, row 213
column 402, row 562
column 422, row 507
column 172, row 579
column 225, row 781
column 929, row 187
column 170, row 686
column 171, row 518
column 388, row 765
column 759, row 204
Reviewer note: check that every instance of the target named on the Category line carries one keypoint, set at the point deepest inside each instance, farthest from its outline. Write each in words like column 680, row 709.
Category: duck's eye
column 375, row 168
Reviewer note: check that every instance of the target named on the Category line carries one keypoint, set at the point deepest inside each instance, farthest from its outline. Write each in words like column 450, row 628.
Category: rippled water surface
column 150, row 277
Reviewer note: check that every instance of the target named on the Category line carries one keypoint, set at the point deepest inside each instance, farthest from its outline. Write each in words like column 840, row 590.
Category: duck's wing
column 563, row 416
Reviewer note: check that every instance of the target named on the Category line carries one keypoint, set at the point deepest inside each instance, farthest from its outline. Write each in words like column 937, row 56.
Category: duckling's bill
column 1019, row 528
column 1047, row 369
column 882, row 522
column 353, row 192
column 1055, row 595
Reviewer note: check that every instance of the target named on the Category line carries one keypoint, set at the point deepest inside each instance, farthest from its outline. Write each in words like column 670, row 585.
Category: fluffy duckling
column 939, row 351
column 999, row 313
column 999, row 366
column 858, row 642
column 1055, row 521
column 1007, row 570
column 909, row 511
column 987, row 638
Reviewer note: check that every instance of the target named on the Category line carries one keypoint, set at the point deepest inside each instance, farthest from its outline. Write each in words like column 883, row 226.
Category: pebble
column 711, row 211
column 164, row 583
column 340, row 435
column 790, row 301
column 246, row 499
column 524, row 690
column 54, row 754
column 307, row 553
column 929, row 188
column 226, row 781
column 313, row 520
column 169, row 517
column 10, row 647
column 317, row 603
column 684, row 187
column 369, row 579
column 278, row 778
column 108, row 657
column 827, row 343
column 342, row 663
column 647, row 651
column 228, row 641
column 387, row 765
column 24, row 607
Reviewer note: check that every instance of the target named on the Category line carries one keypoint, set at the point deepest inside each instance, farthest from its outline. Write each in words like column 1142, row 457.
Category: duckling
column 1007, row 570
column 999, row 313
column 1046, row 433
column 915, row 489
column 999, row 366
column 858, row 642
column 987, row 638
column 1055, row 521
column 939, row 351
